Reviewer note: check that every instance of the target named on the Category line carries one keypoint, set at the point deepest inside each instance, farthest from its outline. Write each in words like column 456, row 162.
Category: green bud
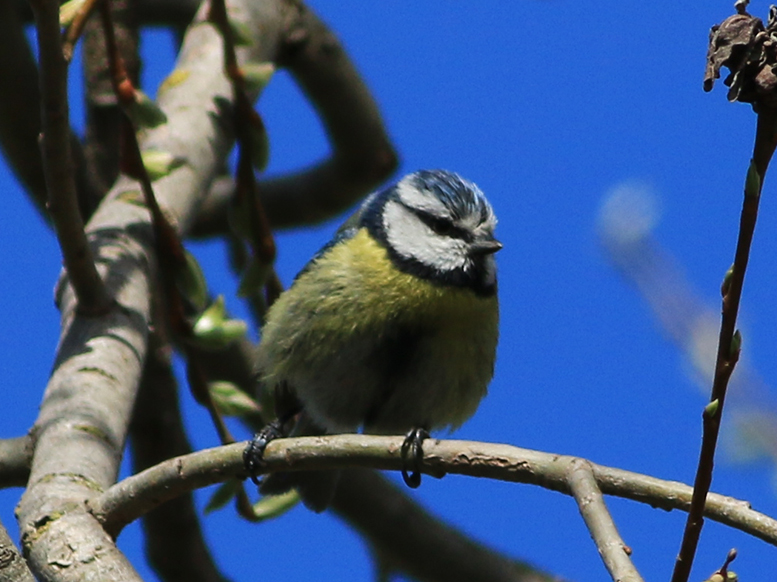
column 159, row 164
column 736, row 343
column 752, row 182
column 727, row 278
column 230, row 400
column 223, row 495
column 273, row 506
column 712, row 408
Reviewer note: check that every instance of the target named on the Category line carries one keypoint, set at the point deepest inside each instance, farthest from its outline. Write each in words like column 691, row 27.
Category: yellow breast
column 346, row 303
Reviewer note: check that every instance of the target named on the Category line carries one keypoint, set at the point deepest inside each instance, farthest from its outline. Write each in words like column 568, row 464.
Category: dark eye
column 441, row 226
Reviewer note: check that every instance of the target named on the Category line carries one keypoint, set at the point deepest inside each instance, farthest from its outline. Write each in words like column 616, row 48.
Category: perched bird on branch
column 392, row 327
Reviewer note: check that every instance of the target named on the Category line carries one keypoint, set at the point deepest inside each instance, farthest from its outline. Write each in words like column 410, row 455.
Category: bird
column 392, row 327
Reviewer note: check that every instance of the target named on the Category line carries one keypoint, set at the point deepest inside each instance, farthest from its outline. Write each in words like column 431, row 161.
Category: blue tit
column 393, row 326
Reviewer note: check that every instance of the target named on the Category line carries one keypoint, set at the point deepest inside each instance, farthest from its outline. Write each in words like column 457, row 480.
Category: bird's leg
column 253, row 453
column 413, row 444
column 287, row 407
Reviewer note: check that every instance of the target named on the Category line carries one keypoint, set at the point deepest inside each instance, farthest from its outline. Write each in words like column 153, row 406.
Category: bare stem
column 728, row 349
column 58, row 164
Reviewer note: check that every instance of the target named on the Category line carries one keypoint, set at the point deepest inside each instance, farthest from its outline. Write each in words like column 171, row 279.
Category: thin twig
column 58, row 164
column 247, row 121
column 103, row 133
column 614, row 552
column 132, row 497
column 728, row 348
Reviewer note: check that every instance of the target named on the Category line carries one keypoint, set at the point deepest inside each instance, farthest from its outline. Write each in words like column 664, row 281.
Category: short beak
column 486, row 246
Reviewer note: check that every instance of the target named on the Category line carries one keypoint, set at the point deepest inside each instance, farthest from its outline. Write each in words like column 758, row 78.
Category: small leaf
column 273, row 506
column 253, row 279
column 223, row 495
column 159, row 164
column 752, row 182
column 231, row 401
column 68, row 11
column 212, row 330
column 257, row 76
column 145, row 113
column 192, row 284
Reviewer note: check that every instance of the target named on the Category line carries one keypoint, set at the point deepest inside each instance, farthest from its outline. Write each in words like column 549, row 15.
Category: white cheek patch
column 411, row 238
column 421, row 200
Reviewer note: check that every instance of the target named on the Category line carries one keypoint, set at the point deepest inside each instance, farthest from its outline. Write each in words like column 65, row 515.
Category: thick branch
column 134, row 496
column 85, row 413
column 13, row 568
column 362, row 153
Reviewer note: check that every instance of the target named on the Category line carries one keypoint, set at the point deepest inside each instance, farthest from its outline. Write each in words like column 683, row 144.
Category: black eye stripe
column 443, row 226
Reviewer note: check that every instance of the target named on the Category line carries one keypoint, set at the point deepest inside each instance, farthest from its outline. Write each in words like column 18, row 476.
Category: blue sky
column 548, row 106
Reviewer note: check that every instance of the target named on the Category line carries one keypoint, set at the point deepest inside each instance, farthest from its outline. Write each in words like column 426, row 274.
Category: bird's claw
column 413, row 444
column 254, row 451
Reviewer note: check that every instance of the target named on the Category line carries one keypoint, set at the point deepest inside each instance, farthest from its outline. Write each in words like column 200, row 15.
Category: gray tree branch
column 80, row 433
column 362, row 155
column 132, row 497
column 13, row 568
column 614, row 552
